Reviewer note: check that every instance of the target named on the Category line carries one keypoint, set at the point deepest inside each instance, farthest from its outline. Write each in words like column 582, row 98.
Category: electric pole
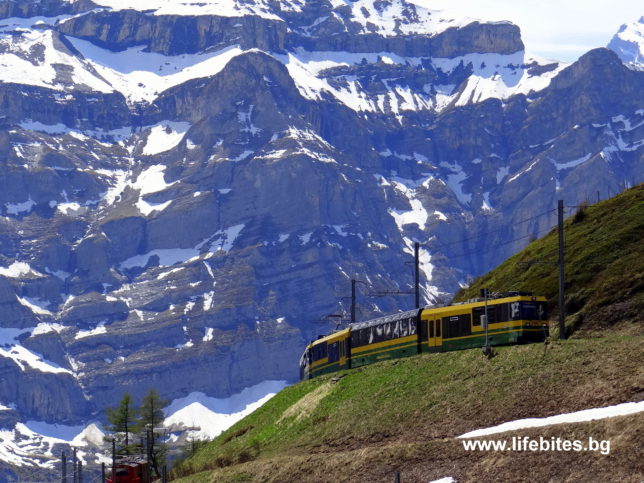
column 562, row 276
column 353, row 301
column 416, row 272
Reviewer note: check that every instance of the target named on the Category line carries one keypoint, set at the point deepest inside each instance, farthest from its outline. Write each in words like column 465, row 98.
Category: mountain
column 409, row 415
column 628, row 44
column 188, row 188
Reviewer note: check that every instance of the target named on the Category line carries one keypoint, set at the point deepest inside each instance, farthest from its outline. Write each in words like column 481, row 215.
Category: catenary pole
column 416, row 273
column 562, row 275
column 353, row 301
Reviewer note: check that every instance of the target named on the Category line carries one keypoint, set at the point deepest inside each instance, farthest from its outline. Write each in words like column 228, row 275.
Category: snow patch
column 455, row 178
column 167, row 257
column 25, row 359
column 142, row 76
column 100, row 329
column 208, row 336
column 164, row 136
column 17, row 208
column 566, row 418
column 213, row 415
column 226, row 238
column 37, row 306
column 572, row 164
column 628, row 44
column 440, row 215
column 19, row 270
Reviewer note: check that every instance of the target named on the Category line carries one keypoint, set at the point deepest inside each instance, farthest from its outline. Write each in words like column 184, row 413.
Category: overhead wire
column 486, row 233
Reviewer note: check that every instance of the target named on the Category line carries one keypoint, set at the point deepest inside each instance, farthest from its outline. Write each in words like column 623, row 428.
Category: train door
column 424, row 335
column 435, row 335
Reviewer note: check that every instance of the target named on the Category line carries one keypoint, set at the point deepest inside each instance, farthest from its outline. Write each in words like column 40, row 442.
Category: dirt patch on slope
column 307, row 404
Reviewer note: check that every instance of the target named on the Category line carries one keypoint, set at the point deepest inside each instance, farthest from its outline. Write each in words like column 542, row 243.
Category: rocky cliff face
column 186, row 191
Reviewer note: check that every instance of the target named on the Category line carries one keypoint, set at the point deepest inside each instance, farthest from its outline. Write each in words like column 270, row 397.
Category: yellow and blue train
column 513, row 318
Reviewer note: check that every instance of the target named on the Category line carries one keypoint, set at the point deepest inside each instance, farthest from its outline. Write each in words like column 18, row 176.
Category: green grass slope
column 366, row 424
column 604, row 265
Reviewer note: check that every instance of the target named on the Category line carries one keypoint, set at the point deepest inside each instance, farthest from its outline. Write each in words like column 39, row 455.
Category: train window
column 319, row 351
column 457, row 326
column 515, row 311
column 360, row 337
column 534, row 311
column 438, row 328
column 476, row 315
column 528, row 310
column 424, row 330
column 493, row 315
column 334, row 352
column 542, row 310
column 503, row 312
column 431, row 328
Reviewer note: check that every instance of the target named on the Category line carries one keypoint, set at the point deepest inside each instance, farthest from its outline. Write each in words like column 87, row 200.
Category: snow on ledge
column 576, row 417
column 19, row 270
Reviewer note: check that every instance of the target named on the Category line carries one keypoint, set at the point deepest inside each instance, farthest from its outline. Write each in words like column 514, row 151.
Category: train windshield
column 534, row 311
column 304, row 365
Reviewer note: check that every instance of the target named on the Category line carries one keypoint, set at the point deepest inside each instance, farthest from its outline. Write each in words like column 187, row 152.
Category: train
column 512, row 318
column 130, row 469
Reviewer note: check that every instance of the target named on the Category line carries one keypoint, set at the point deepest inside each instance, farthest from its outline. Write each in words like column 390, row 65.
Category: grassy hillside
column 366, row 424
column 604, row 247
column 403, row 415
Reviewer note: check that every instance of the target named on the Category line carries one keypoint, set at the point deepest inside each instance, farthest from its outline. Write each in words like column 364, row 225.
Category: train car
column 130, row 469
column 327, row 354
column 512, row 318
column 386, row 337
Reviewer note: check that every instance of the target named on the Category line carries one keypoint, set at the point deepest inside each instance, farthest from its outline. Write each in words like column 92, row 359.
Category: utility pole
column 485, row 322
column 562, row 275
column 64, row 476
column 416, row 272
column 74, row 467
column 353, row 301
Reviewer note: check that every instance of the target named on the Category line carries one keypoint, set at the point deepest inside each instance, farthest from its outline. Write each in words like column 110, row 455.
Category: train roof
column 131, row 461
column 384, row 319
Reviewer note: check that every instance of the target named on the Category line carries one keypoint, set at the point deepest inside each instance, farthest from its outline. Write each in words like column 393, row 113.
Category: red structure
column 130, row 470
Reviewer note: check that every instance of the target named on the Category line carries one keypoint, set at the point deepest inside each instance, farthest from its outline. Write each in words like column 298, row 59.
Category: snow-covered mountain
column 628, row 44
column 187, row 188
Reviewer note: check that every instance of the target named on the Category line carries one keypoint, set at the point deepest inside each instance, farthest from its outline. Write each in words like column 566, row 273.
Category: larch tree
column 151, row 418
column 122, row 420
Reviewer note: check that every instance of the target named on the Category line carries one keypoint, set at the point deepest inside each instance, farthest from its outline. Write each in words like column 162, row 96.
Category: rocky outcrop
column 80, row 110
column 45, row 8
column 174, row 35
column 503, row 38
column 40, row 396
